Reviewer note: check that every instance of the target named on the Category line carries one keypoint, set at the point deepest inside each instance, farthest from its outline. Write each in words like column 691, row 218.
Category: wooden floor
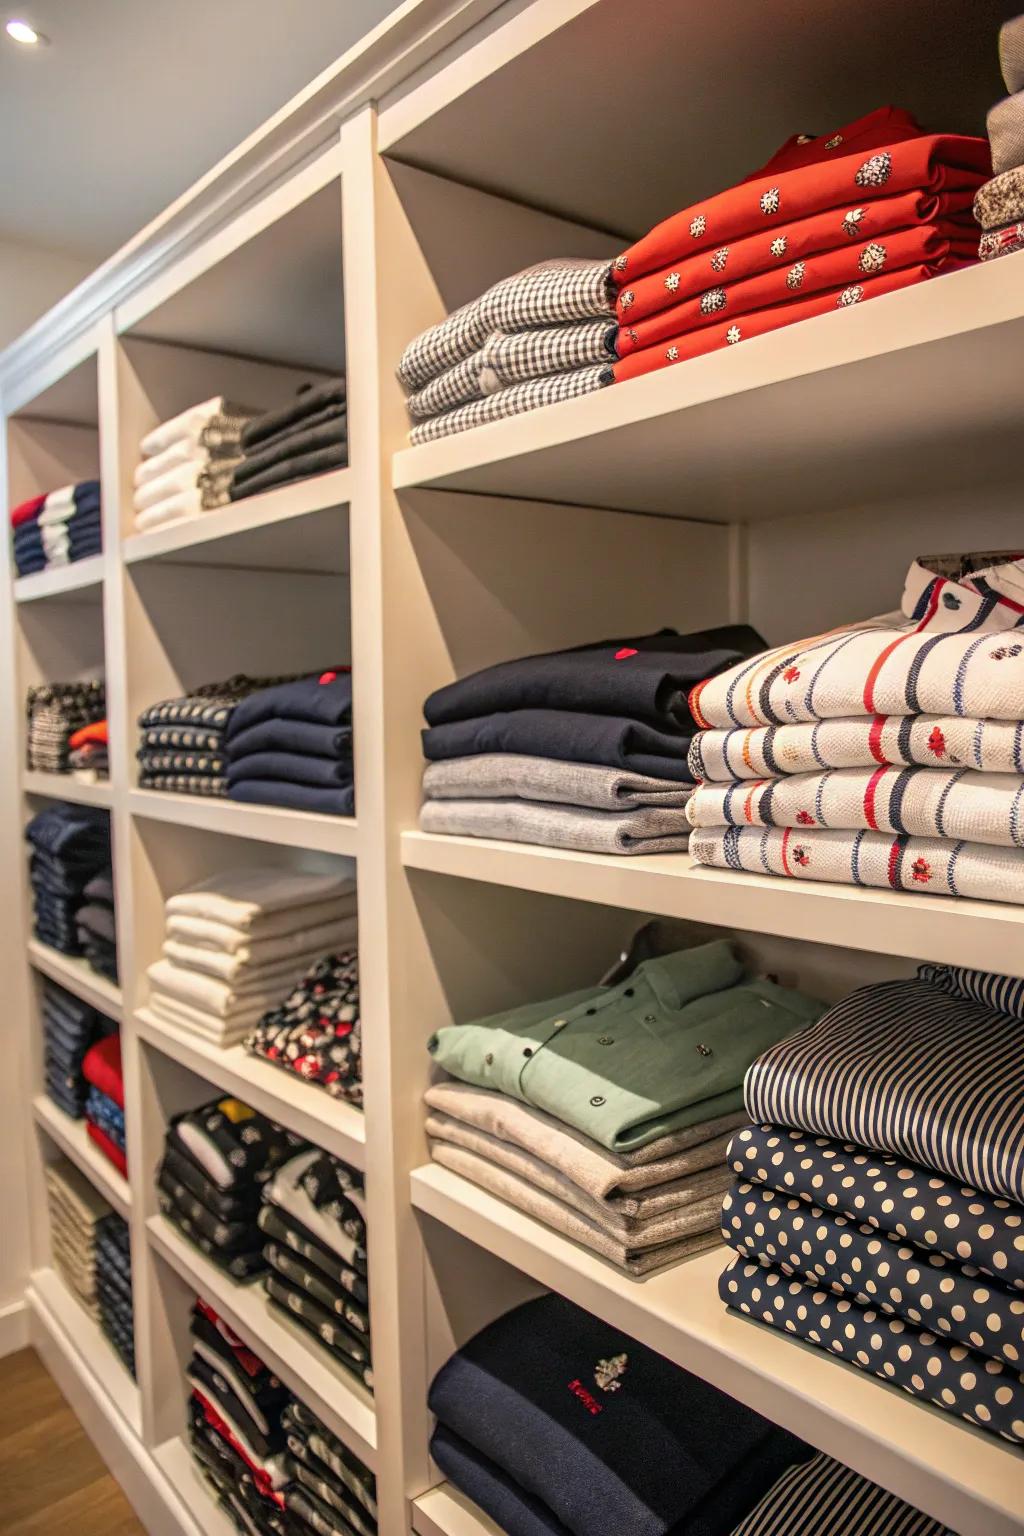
column 52, row 1483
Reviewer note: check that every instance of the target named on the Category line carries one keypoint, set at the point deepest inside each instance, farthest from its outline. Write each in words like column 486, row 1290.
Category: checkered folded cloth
column 765, row 751
column 928, row 866
column 511, row 357
column 550, row 293
column 528, row 396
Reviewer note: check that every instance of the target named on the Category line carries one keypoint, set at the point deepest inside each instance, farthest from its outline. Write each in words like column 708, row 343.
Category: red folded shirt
column 101, row 1066
column 932, row 163
column 885, row 125
column 727, row 333
column 251, row 1364
column 27, row 510
column 97, row 732
column 109, row 1148
column 926, row 245
column 768, row 251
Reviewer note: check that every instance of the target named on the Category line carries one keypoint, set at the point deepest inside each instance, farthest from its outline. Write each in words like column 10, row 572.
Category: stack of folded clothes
column 542, row 335
column 316, row 1031
column 181, row 742
column 313, row 1222
column 114, row 1286
column 70, row 844
column 582, row 749
column 885, row 1168
column 236, row 943
column 88, row 757
column 557, row 1424
column 69, row 1029
column 886, row 754
column 55, row 713
column 95, row 926
column 326, row 1480
column 999, row 205
column 291, row 745
column 57, row 529
column 562, row 1109
column 830, row 221
column 308, row 437
column 26, row 536
column 187, row 463
column 216, row 1161
column 77, row 1211
column 104, row 1105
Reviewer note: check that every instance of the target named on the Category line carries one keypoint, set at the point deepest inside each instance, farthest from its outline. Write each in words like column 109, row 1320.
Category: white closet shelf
column 258, row 531
column 64, row 1317
column 264, row 823
column 796, row 420
column 76, row 580
column 955, row 931
column 64, row 786
column 335, row 1396
column 937, row 1462
column 444, row 1511
column 175, row 1461
column 78, row 977
column 299, row 1106
column 73, row 1139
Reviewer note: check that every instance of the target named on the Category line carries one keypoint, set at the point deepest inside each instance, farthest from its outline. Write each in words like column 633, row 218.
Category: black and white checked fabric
column 509, row 357
column 821, row 1497
column 550, row 293
column 456, row 386
column 529, row 396
column 903, row 1067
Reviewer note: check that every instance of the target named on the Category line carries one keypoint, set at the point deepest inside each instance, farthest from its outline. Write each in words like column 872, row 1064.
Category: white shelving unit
column 787, row 482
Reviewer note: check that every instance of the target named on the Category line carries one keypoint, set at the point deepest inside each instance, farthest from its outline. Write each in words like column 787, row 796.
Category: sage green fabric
column 665, row 1049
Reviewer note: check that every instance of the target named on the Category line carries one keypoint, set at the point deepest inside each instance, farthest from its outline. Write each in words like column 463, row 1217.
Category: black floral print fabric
column 316, row 1032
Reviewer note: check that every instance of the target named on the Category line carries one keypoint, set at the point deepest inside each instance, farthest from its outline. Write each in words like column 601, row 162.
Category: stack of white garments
column 187, row 463
column 237, row 943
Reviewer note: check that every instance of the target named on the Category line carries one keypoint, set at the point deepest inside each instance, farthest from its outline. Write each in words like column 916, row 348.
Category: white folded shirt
column 272, row 960
column 187, row 423
column 173, row 509
column 203, row 1025
column 186, row 450
column 241, row 897
column 291, row 924
column 184, row 477
column 208, row 995
column 242, row 976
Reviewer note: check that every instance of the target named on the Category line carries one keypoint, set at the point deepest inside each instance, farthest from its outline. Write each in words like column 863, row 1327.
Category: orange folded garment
column 97, row 732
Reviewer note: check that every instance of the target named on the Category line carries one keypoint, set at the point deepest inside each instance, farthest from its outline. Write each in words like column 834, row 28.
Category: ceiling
column 134, row 99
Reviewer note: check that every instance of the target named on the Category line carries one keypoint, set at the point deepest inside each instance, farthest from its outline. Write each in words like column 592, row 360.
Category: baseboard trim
column 14, row 1327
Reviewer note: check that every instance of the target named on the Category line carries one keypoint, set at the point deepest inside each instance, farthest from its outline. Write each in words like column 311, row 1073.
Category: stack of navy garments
column 70, row 844
column 582, row 749
column 307, row 437
column 68, row 525
column 114, row 1286
column 95, row 927
column 69, row 1029
column 291, row 745
column 181, row 741
column 26, row 536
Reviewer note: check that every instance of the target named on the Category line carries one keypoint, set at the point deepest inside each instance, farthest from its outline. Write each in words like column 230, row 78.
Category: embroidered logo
column 672, row 282
column 1003, row 651
column 937, row 742
column 620, row 263
column 627, row 650
column 634, row 336
column 719, row 259
column 733, row 335
column 851, row 295
column 921, row 871
column 712, row 301
column 950, row 600
column 853, row 220
column 876, row 171
column 672, row 355
column 327, row 677
column 791, row 674
column 586, row 1397
column 771, row 201
column 805, row 138
column 834, row 142
column 626, row 299
column 779, row 246
column 795, row 275
column 698, row 226
column 608, row 1372
column 801, row 856
column 872, row 257
column 805, row 818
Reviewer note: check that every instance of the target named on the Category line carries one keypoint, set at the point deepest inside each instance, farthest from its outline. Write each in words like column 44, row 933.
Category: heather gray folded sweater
column 1006, row 133
column 559, row 826
column 511, row 776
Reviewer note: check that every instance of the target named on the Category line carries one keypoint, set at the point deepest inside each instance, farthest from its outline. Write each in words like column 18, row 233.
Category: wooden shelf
column 299, row 1106
column 78, row 977
column 73, row 1139
column 264, row 823
column 49, row 1296
column 341, row 1401
column 937, row 1462
column 64, row 786
column 81, row 580
column 953, row 931
column 444, row 1511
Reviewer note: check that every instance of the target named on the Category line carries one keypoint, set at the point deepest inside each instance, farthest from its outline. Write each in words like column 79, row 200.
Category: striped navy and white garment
column 903, row 1067
column 821, row 1497
column 513, row 402
column 1003, row 994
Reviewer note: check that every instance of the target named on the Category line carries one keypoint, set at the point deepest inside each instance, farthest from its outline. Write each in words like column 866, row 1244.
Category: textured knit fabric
column 821, row 1497
column 243, row 898
column 210, row 477
column 188, row 450
column 1011, row 53
column 55, row 713
column 1002, row 242
column 903, row 1067
column 565, row 735
column 308, row 405
column 283, row 446
column 507, row 776
column 513, row 1510
column 645, row 830
column 210, row 423
column 316, row 1031
column 297, row 466
column 27, row 511
column 527, row 396
column 1001, row 200
column 1005, row 125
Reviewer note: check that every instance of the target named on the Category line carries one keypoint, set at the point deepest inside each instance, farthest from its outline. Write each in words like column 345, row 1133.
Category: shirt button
column 650, row 1018
column 528, row 1051
column 605, row 1040
column 489, row 1059
column 705, row 1050
column 597, row 1101
column 559, row 1023
column 432, row 1043
column 629, row 992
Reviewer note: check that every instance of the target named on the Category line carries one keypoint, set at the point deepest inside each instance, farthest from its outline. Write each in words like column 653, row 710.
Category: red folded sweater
column 101, row 1066
column 109, row 1148
column 27, row 510
column 885, row 125
column 96, row 732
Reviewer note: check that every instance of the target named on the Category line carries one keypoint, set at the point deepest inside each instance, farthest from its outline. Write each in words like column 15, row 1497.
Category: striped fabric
column 1004, row 994
column 902, row 1067
column 924, row 802
column 821, row 1497
column 864, row 741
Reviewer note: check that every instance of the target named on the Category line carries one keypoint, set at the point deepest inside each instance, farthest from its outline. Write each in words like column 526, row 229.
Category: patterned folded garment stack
column 543, row 335
column 70, row 847
column 57, row 712
column 187, row 463
column 57, row 529
column 114, row 1286
column 582, row 749
column 291, row 745
column 872, row 207
column 181, row 741
column 272, row 1466
column 88, row 757
column 237, row 944
column 621, row 1149
column 878, row 1205
column 316, row 1031
column 309, row 436
column 216, row 1162
column 104, row 1105
column 313, row 1223
column 888, row 754
column 70, row 1027
column 999, row 205
column 557, row 1424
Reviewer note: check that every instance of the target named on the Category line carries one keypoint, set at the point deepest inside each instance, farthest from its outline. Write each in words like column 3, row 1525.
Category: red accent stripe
column 785, row 852
column 869, row 798
column 694, row 703
column 879, row 663
column 875, row 738
column 748, row 802
column 933, row 603
column 894, row 855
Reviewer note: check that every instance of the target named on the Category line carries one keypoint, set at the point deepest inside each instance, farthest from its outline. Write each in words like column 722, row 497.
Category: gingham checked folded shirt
column 511, row 357
column 512, row 402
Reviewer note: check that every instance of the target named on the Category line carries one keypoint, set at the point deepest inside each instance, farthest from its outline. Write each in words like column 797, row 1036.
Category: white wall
column 32, row 279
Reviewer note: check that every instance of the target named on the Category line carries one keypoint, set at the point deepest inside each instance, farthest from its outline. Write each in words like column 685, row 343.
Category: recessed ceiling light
column 21, row 32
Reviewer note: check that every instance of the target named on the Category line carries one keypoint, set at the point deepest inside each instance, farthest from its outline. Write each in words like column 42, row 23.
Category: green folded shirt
column 665, row 1049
